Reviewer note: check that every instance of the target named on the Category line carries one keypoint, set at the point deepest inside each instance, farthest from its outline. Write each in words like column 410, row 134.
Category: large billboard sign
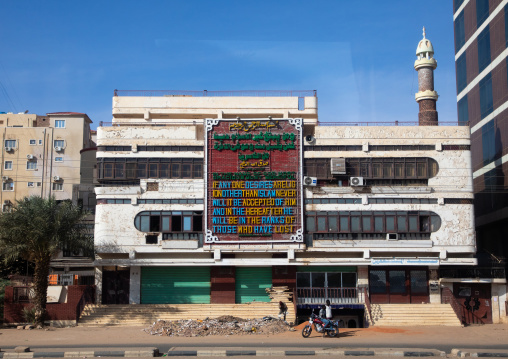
column 253, row 181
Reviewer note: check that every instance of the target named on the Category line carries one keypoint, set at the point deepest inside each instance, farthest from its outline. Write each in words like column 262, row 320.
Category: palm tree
column 37, row 229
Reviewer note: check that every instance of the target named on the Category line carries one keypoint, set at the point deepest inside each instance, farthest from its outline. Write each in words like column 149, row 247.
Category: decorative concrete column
column 98, row 284
column 426, row 96
column 135, row 285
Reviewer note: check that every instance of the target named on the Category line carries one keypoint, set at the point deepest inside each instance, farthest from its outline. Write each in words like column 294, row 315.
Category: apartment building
column 50, row 155
column 481, row 57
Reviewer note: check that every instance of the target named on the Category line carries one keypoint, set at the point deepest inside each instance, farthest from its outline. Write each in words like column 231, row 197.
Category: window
column 31, row 184
column 317, row 167
column 59, row 143
column 461, row 73
column 31, row 165
column 33, row 142
column 173, row 224
column 390, row 168
column 57, row 186
column 457, row 4
column 59, row 123
column 115, row 148
column 462, row 109
column 460, row 32
column 58, row 159
column 371, row 224
column 488, row 142
column 486, row 99
column 482, row 12
column 10, row 143
column 152, row 148
column 7, row 207
column 506, row 24
column 8, row 165
column 114, row 201
column 483, row 49
column 8, row 186
column 171, row 201
column 492, row 181
column 135, row 168
column 40, row 142
column 320, row 280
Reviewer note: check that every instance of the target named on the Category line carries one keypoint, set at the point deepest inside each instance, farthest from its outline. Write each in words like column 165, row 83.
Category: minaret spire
column 426, row 97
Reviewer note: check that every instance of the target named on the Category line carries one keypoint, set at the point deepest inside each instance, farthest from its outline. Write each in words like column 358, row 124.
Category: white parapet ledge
column 400, row 190
column 334, row 190
column 368, row 243
column 120, row 191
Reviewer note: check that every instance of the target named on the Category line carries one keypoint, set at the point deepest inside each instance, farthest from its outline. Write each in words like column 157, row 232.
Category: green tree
column 37, row 229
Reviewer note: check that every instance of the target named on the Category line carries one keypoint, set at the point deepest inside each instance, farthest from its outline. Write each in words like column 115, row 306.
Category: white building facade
column 381, row 209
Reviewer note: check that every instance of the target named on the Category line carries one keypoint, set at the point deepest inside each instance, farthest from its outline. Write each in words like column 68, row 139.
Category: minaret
column 426, row 96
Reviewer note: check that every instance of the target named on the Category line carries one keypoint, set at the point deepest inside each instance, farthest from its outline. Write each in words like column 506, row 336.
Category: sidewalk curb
column 478, row 353
column 320, row 352
column 148, row 352
column 154, row 352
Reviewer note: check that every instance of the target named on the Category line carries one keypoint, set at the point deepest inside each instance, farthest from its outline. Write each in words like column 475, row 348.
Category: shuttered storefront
column 175, row 285
column 251, row 283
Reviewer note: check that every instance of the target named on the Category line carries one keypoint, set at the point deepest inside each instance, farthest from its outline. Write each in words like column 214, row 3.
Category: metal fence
column 206, row 93
column 475, row 272
column 341, row 295
column 23, row 294
column 389, row 123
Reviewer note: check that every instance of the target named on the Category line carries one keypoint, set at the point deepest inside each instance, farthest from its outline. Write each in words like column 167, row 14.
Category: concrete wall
column 68, row 311
column 146, row 109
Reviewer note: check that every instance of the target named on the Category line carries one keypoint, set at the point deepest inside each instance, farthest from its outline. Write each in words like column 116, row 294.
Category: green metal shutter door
column 175, row 285
column 251, row 283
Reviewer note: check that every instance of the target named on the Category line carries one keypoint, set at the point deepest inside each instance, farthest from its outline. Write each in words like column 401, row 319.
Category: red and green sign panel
column 253, row 181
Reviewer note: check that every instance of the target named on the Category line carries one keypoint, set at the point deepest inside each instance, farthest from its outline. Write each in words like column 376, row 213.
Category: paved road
column 440, row 338
column 302, row 345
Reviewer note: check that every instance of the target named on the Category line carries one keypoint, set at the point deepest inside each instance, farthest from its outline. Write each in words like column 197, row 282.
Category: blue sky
column 358, row 55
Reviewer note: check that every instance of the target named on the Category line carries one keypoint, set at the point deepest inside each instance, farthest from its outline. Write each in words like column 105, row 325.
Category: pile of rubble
column 225, row 325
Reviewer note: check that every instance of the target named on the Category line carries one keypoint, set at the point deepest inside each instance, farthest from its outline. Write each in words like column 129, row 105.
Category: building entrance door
column 475, row 301
column 398, row 285
column 115, row 286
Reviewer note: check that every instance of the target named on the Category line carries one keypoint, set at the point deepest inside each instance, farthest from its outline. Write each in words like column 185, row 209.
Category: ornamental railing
column 474, row 272
column 23, row 294
column 342, row 295
column 389, row 123
column 206, row 93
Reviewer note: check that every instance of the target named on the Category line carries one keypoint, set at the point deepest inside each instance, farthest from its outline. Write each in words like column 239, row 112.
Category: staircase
column 146, row 314
column 390, row 315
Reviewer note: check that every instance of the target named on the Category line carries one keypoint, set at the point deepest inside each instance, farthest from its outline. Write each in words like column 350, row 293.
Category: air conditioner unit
column 338, row 166
column 5, row 178
column 310, row 181
column 392, row 236
column 356, row 181
column 8, row 149
column 56, row 178
column 58, row 148
column 29, row 157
